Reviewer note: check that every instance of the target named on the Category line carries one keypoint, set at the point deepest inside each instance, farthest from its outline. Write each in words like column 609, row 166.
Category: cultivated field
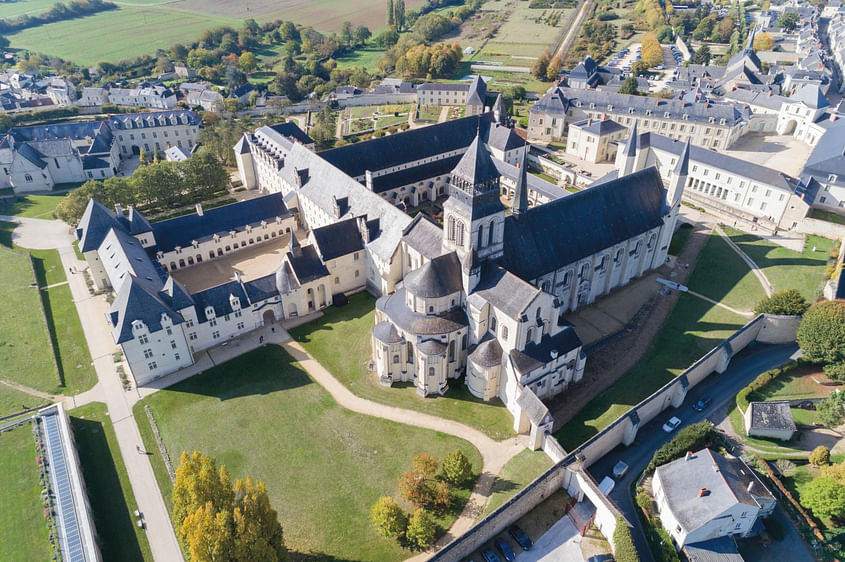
column 522, row 37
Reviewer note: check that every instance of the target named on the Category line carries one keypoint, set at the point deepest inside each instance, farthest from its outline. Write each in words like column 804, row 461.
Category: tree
column 346, row 33
column 258, row 533
column 421, row 529
column 831, row 410
column 390, row 14
column 554, row 68
column 763, row 42
column 639, row 68
column 541, row 66
column 197, row 482
column 425, row 464
column 247, row 62
column 825, row 497
column 821, row 334
column 836, row 371
column 820, row 456
column 399, row 14
column 652, row 52
column 362, row 33
column 702, row 55
column 665, row 34
column 789, row 302
column 388, row 518
column 788, row 21
column 456, row 468
column 416, row 488
column 207, row 534
column 629, row 86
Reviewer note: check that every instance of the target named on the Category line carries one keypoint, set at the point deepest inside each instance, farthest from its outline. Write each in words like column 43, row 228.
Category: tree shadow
column 312, row 556
column 115, row 528
column 51, row 329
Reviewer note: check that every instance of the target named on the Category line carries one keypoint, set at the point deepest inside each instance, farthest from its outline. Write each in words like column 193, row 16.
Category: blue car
column 489, row 555
column 505, row 549
column 520, row 537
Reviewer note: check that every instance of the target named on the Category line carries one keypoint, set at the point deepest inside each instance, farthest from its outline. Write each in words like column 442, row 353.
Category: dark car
column 701, row 405
column 520, row 537
column 505, row 549
column 489, row 555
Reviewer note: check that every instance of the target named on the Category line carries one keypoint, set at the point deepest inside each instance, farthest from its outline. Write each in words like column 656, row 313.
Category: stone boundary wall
column 682, row 47
column 569, row 472
column 54, row 345
column 377, row 99
column 821, row 228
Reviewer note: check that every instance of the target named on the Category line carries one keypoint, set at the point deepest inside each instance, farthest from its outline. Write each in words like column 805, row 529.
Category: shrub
column 789, row 302
column 692, row 438
column 825, row 497
column 836, row 371
column 821, row 334
column 786, row 467
column 831, row 410
column 759, row 383
column 456, row 468
column 388, row 518
column 644, row 502
column 421, row 529
column 623, row 544
column 820, row 456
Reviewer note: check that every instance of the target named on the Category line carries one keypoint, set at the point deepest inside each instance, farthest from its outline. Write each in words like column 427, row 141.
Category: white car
column 671, row 425
column 606, row 485
column 619, row 469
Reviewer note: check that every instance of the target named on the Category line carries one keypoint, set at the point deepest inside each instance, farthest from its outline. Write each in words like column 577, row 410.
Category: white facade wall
column 160, row 137
column 153, row 355
column 592, row 147
column 151, row 98
column 458, row 96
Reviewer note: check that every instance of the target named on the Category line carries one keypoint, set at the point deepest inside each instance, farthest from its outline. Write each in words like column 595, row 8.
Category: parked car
column 620, row 468
column 520, row 537
column 505, row 549
column 702, row 404
column 489, row 555
column 606, row 485
column 671, row 425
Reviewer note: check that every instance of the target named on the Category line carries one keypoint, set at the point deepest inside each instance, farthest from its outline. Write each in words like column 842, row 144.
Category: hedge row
column 761, row 382
column 691, row 438
column 623, row 543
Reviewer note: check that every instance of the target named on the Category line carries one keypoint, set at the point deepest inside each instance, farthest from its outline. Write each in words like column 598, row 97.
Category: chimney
column 553, row 353
column 688, row 456
column 703, row 492
column 237, row 276
column 199, row 209
column 362, row 228
column 118, row 209
column 604, row 116
column 589, row 121
column 368, row 175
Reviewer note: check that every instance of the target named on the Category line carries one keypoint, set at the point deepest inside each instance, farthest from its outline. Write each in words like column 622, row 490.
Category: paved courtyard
column 251, row 263
column 561, row 542
column 779, row 152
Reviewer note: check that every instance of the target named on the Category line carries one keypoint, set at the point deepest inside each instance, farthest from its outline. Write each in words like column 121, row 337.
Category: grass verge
column 520, row 471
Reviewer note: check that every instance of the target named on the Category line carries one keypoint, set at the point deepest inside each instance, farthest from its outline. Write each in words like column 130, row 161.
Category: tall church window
column 451, row 351
column 504, row 332
column 530, row 337
column 490, row 235
column 481, row 236
column 493, row 324
column 451, row 232
column 460, row 238
column 410, row 352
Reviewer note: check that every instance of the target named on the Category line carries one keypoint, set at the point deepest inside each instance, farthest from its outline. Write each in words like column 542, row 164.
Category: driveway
column 39, row 234
column 561, row 542
column 721, row 388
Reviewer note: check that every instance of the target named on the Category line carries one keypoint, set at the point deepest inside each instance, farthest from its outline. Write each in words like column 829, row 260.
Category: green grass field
column 693, row 328
column 520, row 471
column 787, row 269
column 324, row 466
column 73, row 355
column 34, row 206
column 340, row 341
column 723, row 276
column 23, row 529
column 48, row 267
column 107, row 483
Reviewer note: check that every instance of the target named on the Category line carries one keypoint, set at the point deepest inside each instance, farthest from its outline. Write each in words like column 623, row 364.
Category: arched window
column 451, row 233
column 460, row 234
column 481, row 236
column 451, row 350
column 490, row 234
column 395, row 358
column 493, row 324
column 431, row 371
column 539, row 316
column 530, row 337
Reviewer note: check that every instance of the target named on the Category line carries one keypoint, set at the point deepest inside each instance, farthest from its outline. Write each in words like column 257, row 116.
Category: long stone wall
column 570, row 471
column 821, row 228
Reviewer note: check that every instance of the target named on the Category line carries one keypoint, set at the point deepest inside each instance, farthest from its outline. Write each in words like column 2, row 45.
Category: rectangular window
column 212, row 322
column 143, row 339
column 152, row 366
column 148, row 353
column 240, row 326
column 192, row 336
column 189, row 323
column 169, row 331
column 238, row 314
column 172, row 344
column 215, row 334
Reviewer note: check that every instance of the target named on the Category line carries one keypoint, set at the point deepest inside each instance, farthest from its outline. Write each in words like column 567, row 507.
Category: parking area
column 672, row 60
column 250, row 263
column 625, row 58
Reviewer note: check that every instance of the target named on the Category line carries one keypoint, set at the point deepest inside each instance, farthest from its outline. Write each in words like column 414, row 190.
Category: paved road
column 721, row 389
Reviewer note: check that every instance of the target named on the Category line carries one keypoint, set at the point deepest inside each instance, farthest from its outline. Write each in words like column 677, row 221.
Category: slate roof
column 431, row 347
column 599, row 126
column 561, row 232
column 505, row 291
column 94, row 163
column 553, row 102
column 585, row 69
column 220, row 220
column 488, row 353
column 535, row 355
column 424, row 235
column 439, row 277
column 443, row 86
column 477, row 94
column 137, row 300
column 413, row 145
column 811, row 96
column 291, row 130
column 395, row 308
column 532, row 406
column 128, row 121
column 261, row 288
column 386, row 332
column 476, row 165
column 771, row 415
column 33, row 155
column 96, row 222
column 414, row 174
column 339, row 239
column 177, row 154
column 722, row 549
column 827, row 156
column 218, row 298
column 726, row 480
column 306, row 264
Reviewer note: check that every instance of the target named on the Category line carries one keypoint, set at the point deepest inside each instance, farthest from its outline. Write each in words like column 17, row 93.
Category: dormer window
column 165, row 320
column 234, row 302
column 831, row 178
column 209, row 312
column 138, row 326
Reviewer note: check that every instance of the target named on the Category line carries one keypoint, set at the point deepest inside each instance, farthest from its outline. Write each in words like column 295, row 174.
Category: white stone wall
column 153, row 355
column 160, row 137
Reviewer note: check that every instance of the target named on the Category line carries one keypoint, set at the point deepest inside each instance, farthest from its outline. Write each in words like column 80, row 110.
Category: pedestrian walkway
column 722, row 305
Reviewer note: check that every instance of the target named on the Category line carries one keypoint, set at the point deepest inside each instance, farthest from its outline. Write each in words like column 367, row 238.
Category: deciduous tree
column 825, row 497
column 821, row 333
column 388, row 518
column 763, row 42
column 421, row 529
column 456, row 468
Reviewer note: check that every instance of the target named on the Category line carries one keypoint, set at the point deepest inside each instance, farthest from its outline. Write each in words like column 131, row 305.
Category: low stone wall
column 377, row 99
column 820, row 228
column 570, row 473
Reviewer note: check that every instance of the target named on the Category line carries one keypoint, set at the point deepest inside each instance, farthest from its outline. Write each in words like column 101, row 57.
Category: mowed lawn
column 34, row 206
column 340, row 341
column 72, row 349
column 107, row 483
column 23, row 528
column 693, row 328
column 261, row 415
column 520, row 471
column 788, row 269
column 119, row 34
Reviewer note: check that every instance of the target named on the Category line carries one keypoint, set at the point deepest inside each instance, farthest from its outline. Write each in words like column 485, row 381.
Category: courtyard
column 324, row 466
column 784, row 153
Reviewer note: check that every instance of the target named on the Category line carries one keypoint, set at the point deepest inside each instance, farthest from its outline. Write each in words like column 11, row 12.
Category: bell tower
column 473, row 216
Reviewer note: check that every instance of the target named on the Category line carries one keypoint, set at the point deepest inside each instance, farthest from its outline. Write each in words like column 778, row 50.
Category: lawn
column 33, row 206
column 340, row 341
column 324, row 466
column 12, row 400
column 72, row 350
column 107, row 482
column 723, row 276
column 366, row 57
column 800, row 382
column 30, row 7
column 827, row 216
column 692, row 329
column 680, row 238
column 787, row 269
column 23, row 529
column 520, row 471
column 48, row 267
column 833, row 531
